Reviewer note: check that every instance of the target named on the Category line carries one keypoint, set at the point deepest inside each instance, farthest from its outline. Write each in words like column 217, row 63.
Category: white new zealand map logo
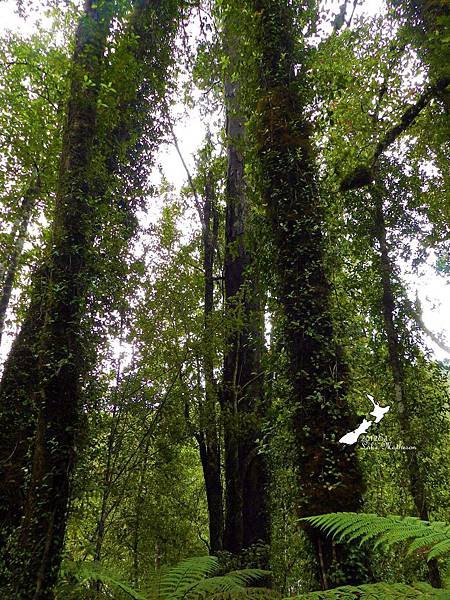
column 378, row 412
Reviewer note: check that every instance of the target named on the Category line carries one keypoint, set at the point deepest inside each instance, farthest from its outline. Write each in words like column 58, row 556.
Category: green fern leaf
column 181, row 578
column 378, row 591
column 388, row 531
column 245, row 594
column 425, row 541
column 235, row 581
column 439, row 549
column 84, row 572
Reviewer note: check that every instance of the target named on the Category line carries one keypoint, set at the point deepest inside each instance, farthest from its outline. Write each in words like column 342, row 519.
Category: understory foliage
column 224, row 247
column 192, row 579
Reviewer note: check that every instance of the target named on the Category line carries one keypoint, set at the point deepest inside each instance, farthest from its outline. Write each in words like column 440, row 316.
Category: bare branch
column 420, row 322
column 350, row 19
column 198, row 204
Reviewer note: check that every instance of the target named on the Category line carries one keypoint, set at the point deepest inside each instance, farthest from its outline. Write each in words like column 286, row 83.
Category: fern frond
column 181, row 578
column 246, row 594
column 431, row 541
column 439, row 549
column 244, row 577
column 432, row 536
column 378, row 591
column 189, row 580
column 234, row 582
column 84, row 572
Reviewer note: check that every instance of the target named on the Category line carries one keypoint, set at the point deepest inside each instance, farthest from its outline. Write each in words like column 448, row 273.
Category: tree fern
column 422, row 536
column 378, row 591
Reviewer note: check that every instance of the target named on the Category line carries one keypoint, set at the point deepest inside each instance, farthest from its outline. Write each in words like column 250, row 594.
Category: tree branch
column 339, row 19
column 409, row 116
column 350, row 19
column 198, row 204
column 363, row 175
column 417, row 312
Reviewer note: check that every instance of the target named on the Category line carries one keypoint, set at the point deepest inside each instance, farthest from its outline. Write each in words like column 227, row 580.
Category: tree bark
column 328, row 473
column 404, row 407
column 236, row 261
column 242, row 399
column 18, row 411
column 18, row 416
column 208, row 439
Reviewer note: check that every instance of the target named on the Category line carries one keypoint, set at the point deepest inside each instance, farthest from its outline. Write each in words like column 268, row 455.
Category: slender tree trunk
column 404, row 407
column 236, row 261
column 243, row 407
column 139, row 505
column 107, row 480
column 208, row 439
column 253, row 463
column 18, row 240
column 328, row 473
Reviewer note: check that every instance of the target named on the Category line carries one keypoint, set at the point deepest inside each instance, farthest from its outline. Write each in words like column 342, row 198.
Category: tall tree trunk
column 41, row 382
column 60, row 362
column 253, row 463
column 236, row 261
column 18, row 240
column 328, row 473
column 242, row 400
column 208, row 439
column 107, row 476
column 27, row 382
column 404, row 407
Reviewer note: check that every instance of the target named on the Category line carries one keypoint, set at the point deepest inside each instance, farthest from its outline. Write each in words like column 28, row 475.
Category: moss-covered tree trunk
column 58, row 342
column 18, row 413
column 41, row 383
column 328, row 473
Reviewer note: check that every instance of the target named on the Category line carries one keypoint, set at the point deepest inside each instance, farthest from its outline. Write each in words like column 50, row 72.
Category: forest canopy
column 219, row 378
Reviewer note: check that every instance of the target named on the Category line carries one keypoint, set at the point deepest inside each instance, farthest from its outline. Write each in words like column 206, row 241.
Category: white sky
column 433, row 289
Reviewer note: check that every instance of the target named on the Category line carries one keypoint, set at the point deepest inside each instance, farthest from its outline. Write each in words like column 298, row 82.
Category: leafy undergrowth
column 195, row 579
